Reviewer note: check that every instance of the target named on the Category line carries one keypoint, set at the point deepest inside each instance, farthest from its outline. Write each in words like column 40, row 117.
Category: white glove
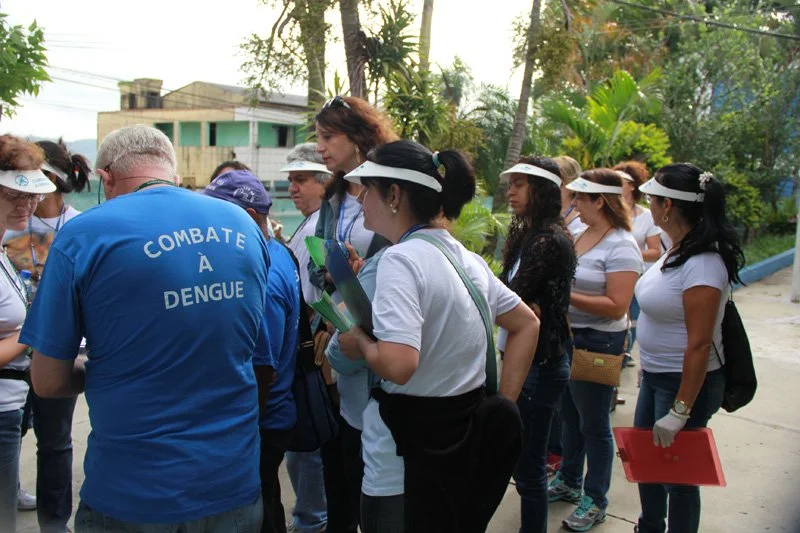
column 666, row 428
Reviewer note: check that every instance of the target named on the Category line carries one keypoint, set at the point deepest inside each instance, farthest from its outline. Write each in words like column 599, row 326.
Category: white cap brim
column 532, row 170
column 305, row 166
column 374, row 170
column 30, row 181
column 656, row 189
column 584, row 185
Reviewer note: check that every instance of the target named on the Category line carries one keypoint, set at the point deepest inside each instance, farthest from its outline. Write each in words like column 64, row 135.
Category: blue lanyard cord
column 412, row 229
column 571, row 208
column 348, row 230
column 59, row 221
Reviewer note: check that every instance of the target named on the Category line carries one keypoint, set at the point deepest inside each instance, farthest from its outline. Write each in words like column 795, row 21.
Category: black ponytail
column 458, row 182
column 75, row 166
column 711, row 231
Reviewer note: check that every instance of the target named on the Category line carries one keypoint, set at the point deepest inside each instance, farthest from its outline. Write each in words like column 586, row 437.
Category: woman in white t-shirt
column 431, row 415
column 347, row 129
column 645, row 231
column 22, row 186
column 52, row 417
column 609, row 263
column 680, row 329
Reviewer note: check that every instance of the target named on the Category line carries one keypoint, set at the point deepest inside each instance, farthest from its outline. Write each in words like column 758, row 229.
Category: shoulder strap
column 480, row 301
column 305, row 333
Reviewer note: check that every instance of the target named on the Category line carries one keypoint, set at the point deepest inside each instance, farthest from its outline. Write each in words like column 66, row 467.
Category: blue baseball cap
column 242, row 188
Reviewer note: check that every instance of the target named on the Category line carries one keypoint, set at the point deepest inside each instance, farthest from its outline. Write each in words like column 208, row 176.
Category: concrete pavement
column 759, row 445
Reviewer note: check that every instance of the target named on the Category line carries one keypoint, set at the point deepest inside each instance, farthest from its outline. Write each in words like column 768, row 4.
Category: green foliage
column 22, row 63
column 417, row 110
column 391, row 47
column 766, row 246
column 605, row 129
column 477, row 226
column 744, row 206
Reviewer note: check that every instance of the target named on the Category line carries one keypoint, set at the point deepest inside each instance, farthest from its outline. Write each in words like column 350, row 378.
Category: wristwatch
column 681, row 408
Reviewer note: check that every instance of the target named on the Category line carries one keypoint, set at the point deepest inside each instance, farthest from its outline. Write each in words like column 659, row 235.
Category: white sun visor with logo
column 584, row 185
column 374, row 170
column 31, row 181
column 532, row 170
column 656, row 189
column 305, row 166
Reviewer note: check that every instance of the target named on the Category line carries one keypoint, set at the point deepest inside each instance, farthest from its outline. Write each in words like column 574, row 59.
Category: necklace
column 152, row 182
column 16, row 281
column 603, row 236
column 301, row 226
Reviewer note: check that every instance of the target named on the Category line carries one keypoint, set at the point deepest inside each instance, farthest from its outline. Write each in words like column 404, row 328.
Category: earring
column 394, row 210
column 665, row 219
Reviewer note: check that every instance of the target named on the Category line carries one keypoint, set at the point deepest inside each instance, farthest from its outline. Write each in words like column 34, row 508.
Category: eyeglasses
column 20, row 197
column 336, row 101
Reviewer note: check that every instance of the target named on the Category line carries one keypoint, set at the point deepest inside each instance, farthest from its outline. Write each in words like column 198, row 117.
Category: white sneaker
column 25, row 500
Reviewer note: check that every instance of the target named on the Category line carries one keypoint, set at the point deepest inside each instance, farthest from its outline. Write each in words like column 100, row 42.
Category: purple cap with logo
column 242, row 188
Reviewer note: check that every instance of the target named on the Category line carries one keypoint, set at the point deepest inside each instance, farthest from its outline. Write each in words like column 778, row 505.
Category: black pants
column 343, row 469
column 383, row 514
column 273, row 448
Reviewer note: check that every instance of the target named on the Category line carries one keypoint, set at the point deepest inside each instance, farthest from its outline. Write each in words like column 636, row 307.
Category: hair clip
column 705, row 177
column 435, row 159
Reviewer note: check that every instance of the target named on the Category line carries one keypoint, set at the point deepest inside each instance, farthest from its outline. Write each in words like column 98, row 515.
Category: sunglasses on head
column 336, row 101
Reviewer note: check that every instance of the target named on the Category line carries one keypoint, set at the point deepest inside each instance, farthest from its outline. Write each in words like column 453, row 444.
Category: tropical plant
column 22, row 63
column 477, row 228
column 603, row 128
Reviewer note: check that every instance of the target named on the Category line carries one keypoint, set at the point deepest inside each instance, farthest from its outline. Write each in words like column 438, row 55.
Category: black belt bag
column 19, row 375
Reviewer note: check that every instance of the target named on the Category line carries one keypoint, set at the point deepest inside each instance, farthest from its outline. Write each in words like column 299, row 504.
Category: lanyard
column 412, row 229
column 151, row 183
column 348, row 231
column 301, row 226
column 16, row 283
column 59, row 222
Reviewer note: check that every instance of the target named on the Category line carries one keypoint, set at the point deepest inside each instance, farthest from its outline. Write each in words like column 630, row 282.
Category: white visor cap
column 532, row 170
column 584, row 185
column 305, row 166
column 30, row 181
column 656, row 189
column 374, row 170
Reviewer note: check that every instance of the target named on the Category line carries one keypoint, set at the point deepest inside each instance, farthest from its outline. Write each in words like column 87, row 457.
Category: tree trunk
column 353, row 47
column 425, row 36
column 311, row 20
column 521, row 118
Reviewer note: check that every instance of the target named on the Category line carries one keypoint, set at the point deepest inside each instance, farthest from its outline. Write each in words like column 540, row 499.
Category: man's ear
column 106, row 181
column 252, row 212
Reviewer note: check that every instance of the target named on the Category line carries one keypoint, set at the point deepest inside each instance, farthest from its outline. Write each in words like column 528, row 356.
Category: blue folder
column 352, row 293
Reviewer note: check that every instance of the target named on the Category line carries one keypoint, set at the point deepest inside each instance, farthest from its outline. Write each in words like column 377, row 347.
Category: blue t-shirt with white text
column 168, row 287
column 283, row 315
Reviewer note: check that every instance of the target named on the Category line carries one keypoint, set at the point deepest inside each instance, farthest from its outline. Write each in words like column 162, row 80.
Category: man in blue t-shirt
column 279, row 413
column 168, row 287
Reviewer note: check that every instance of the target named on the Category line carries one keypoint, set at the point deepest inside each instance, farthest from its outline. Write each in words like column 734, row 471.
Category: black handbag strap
column 305, row 335
column 730, row 301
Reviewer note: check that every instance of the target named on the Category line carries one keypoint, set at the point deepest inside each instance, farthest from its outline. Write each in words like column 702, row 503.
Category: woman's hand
column 356, row 263
column 348, row 343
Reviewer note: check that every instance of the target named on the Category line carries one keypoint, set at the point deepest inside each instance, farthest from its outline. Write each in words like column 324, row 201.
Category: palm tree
column 596, row 126
column 354, row 47
column 425, row 35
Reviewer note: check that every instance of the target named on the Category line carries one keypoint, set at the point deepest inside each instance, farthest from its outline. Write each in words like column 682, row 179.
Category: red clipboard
column 691, row 460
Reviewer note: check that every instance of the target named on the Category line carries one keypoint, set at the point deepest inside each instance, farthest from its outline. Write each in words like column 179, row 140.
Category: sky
column 94, row 44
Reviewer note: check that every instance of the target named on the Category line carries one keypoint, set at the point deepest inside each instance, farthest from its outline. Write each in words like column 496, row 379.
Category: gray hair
column 134, row 146
column 308, row 152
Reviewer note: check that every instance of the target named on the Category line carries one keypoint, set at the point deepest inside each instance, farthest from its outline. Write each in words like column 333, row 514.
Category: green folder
column 316, row 248
column 331, row 312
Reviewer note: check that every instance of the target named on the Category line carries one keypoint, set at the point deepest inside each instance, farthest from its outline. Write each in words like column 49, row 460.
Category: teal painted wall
column 267, row 135
column 233, row 133
column 167, row 128
column 190, row 134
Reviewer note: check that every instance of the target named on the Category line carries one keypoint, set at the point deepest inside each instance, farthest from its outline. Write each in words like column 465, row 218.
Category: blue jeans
column 585, row 412
column 310, row 513
column 537, row 402
column 383, row 514
column 10, row 434
column 633, row 315
column 245, row 519
column 52, row 423
column 656, row 396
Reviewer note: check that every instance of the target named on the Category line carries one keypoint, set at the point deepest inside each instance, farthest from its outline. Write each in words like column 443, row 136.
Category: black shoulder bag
column 740, row 374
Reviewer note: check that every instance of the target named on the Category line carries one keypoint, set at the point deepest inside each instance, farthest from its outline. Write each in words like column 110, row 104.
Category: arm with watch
column 700, row 305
